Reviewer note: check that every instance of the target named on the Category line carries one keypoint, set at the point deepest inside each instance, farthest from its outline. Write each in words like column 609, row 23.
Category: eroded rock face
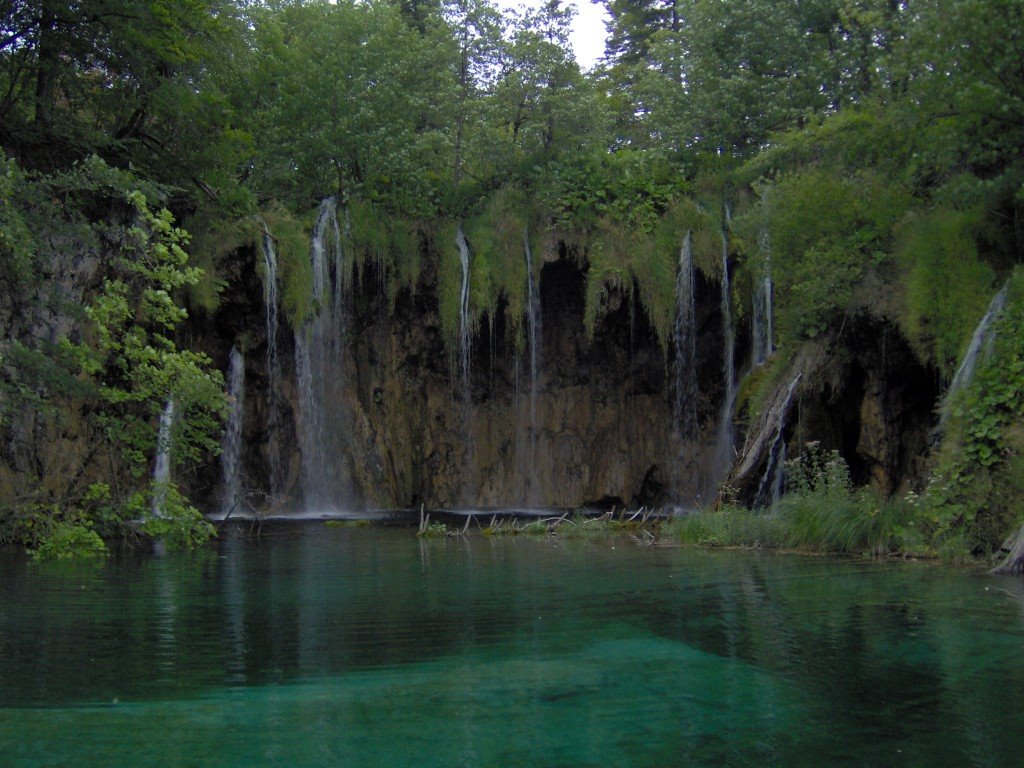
column 600, row 429
column 864, row 394
column 600, row 420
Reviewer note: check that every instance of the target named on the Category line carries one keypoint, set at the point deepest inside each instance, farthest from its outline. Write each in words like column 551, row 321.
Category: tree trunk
column 47, row 61
column 1014, row 562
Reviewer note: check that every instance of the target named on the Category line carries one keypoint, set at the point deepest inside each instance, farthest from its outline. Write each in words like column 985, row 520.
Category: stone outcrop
column 863, row 393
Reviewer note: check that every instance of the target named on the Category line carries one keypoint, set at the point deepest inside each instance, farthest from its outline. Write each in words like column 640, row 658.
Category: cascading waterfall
column 465, row 337
column 162, row 465
column 978, row 350
column 761, row 320
column 685, row 337
column 231, row 449
column 273, row 362
column 769, row 489
column 725, row 437
column 318, row 361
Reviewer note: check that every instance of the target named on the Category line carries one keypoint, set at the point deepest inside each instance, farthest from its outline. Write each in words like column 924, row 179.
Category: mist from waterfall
column 231, row 447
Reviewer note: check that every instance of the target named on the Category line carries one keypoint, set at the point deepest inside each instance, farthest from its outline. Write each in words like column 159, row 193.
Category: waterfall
column 318, row 364
column 162, row 465
column 725, row 437
column 464, row 330
column 685, row 337
column 979, row 350
column 761, row 321
column 231, row 450
column 273, row 362
column 769, row 489
column 534, row 331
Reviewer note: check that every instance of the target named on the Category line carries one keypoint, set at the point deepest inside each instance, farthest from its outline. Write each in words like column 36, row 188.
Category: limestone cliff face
column 598, row 430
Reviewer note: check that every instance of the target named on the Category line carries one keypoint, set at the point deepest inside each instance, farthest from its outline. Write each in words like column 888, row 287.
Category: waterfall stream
column 725, row 438
column 978, row 350
column 231, row 449
column 465, row 337
column 769, row 489
column 270, row 304
column 319, row 355
column 761, row 319
column 685, row 338
column 162, row 465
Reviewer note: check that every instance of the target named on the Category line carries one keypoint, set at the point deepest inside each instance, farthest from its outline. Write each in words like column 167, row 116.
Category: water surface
column 315, row 645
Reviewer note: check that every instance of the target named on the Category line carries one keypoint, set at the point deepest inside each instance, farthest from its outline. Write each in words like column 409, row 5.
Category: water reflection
column 325, row 644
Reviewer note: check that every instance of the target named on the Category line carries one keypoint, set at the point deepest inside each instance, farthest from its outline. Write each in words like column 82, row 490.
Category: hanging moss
column 498, row 241
column 405, row 258
column 368, row 235
column 390, row 243
column 621, row 255
column 212, row 241
column 449, row 283
column 291, row 240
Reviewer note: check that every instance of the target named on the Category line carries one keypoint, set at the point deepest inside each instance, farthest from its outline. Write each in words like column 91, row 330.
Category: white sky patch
column 588, row 30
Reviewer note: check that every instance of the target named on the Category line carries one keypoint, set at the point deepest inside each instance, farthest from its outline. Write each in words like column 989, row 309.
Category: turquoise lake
column 315, row 645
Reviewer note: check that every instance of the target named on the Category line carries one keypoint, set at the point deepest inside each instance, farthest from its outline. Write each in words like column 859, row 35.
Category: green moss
column 449, row 283
column 389, row 242
column 758, row 385
column 212, row 241
column 295, row 273
column 498, row 241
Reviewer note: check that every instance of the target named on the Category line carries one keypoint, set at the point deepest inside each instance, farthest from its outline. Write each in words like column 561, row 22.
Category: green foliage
column 728, row 527
column 133, row 358
column 68, row 540
column 435, row 531
column 623, row 256
column 16, row 241
column 974, row 494
column 823, row 512
column 178, row 525
column 948, row 286
column 825, row 232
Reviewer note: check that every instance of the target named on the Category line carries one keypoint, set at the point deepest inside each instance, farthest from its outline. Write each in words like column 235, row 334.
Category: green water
column 321, row 646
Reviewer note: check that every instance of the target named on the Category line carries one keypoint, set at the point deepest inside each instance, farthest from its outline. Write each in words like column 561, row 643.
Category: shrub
column 68, row 540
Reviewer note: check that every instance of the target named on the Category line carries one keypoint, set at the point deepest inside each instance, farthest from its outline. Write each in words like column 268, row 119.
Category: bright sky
column 588, row 30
